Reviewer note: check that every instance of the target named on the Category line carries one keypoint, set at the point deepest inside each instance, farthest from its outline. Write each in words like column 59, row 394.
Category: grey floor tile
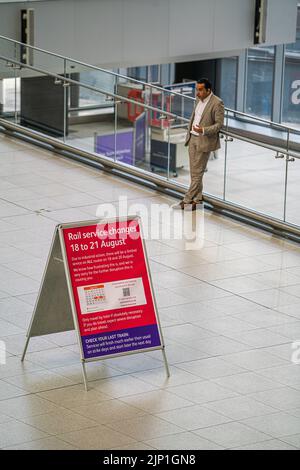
column 265, row 318
column 203, row 392
column 158, row 377
column 254, row 359
column 283, row 399
column 211, row 368
column 293, row 440
column 27, row 405
column 135, row 446
column 122, row 386
column 49, row 443
column 247, row 382
column 294, row 411
column 238, row 408
column 290, row 330
column 193, row 417
column 276, row 425
column 145, row 427
column 53, row 358
column 14, row 366
column 97, row 438
column 158, row 401
column 38, row 381
column 184, row 441
column 10, row 391
column 273, row 444
column 14, row 432
column 108, row 412
column 15, row 344
column 74, row 396
column 230, row 435
column 59, row 422
column 259, row 338
column 285, row 375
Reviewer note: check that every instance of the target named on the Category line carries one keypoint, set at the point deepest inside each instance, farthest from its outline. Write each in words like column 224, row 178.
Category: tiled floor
column 229, row 312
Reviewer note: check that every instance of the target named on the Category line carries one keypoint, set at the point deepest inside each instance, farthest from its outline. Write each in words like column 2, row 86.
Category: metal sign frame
column 69, row 320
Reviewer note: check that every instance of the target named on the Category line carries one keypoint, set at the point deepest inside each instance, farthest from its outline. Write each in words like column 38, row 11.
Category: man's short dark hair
column 206, row 83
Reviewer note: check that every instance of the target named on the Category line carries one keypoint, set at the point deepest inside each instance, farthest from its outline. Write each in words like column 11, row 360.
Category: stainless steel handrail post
column 286, row 175
column 66, row 111
column 225, row 161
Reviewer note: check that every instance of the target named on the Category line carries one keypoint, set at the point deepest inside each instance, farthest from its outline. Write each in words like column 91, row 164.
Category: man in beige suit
column 202, row 138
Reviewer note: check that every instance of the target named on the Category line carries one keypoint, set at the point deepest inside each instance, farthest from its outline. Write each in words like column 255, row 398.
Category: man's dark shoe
column 198, row 202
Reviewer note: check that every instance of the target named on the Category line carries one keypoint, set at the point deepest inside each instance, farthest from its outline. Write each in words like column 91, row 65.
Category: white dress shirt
column 198, row 113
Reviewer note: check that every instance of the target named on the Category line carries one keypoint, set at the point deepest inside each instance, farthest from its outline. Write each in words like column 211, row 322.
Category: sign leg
column 166, row 362
column 84, row 376
column 25, row 348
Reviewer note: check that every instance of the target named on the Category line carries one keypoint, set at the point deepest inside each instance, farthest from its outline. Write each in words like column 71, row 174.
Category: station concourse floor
column 229, row 314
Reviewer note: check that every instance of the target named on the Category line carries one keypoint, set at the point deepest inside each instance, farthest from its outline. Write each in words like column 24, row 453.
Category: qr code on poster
column 126, row 292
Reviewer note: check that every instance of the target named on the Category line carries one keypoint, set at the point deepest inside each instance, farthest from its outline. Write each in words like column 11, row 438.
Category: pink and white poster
column 111, row 288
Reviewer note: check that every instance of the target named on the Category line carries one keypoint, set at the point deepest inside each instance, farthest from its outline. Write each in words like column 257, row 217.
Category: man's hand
column 198, row 129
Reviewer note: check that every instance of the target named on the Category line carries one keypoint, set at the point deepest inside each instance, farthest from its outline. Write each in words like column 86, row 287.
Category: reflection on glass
column 255, row 179
column 291, row 90
column 227, row 80
column 86, row 126
column 213, row 180
column 178, row 153
column 293, row 192
column 9, row 96
column 260, row 79
column 101, row 80
column 149, row 73
column 9, row 49
column 98, row 80
column 42, row 102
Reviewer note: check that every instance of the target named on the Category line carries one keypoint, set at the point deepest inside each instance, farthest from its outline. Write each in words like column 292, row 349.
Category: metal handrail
column 144, row 175
column 164, row 90
column 110, row 72
column 274, row 148
column 92, row 88
column 152, row 108
column 266, row 121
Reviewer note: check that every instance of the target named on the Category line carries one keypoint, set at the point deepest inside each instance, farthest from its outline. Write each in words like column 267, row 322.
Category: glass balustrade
column 9, row 49
column 86, row 128
column 144, row 126
column 292, row 212
column 42, row 102
column 255, row 177
column 9, row 90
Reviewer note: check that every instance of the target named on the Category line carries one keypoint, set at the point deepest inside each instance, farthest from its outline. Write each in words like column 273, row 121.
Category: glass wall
column 259, row 81
column 227, row 80
column 103, row 81
column 291, row 86
column 10, row 95
column 149, row 73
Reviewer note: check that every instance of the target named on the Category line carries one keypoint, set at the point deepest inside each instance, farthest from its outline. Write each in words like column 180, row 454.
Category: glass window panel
column 260, row 77
column 255, row 178
column 139, row 73
column 11, row 95
column 291, row 88
column 97, row 79
column 228, row 81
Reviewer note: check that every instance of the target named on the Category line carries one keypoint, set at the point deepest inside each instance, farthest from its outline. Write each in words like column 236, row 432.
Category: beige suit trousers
column 198, row 161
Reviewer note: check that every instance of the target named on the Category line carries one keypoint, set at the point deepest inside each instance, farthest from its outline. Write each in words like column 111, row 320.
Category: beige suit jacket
column 212, row 121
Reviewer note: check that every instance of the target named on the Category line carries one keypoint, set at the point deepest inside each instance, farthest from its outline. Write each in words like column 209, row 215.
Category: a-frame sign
column 97, row 281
